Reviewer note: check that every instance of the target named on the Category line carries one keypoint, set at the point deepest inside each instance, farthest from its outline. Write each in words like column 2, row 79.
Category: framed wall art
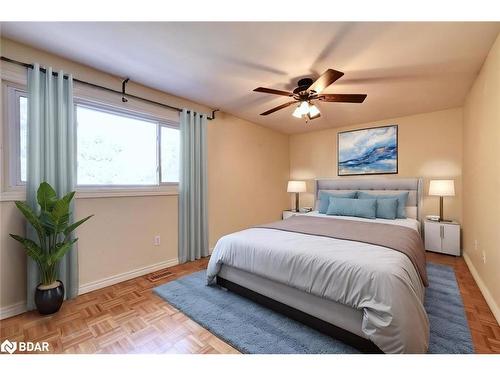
column 368, row 151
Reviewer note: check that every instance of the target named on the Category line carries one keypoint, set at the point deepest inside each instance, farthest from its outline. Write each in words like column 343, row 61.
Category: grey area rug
column 251, row 328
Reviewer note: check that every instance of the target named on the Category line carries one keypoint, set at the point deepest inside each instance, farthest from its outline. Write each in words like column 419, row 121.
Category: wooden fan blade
column 277, row 108
column 273, row 91
column 343, row 98
column 325, row 80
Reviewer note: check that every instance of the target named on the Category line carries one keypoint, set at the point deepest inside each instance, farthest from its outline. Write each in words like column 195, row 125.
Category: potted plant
column 54, row 240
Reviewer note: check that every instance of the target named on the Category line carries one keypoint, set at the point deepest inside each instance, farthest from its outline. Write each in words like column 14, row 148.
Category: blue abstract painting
column 368, row 151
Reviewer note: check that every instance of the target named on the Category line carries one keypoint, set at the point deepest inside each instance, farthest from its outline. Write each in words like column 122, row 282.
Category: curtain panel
column 51, row 158
column 193, row 215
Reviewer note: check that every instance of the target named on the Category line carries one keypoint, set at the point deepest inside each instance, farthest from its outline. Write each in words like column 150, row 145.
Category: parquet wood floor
column 124, row 318
column 483, row 325
column 129, row 318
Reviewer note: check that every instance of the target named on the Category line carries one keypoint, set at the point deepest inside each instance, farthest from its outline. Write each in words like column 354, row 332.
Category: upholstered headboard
column 378, row 185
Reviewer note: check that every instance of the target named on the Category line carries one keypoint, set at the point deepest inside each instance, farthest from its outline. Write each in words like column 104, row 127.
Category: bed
column 366, row 294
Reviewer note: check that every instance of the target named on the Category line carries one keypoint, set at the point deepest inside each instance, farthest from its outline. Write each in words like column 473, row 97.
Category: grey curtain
column 51, row 157
column 193, row 216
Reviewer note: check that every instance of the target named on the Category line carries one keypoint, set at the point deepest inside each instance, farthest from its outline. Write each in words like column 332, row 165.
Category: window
column 23, row 137
column 118, row 148
column 16, row 109
column 115, row 147
column 170, row 152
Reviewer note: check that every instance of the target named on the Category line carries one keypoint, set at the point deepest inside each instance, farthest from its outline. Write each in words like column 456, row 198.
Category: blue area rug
column 251, row 328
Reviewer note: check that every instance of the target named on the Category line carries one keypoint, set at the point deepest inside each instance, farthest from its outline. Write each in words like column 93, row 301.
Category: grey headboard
column 378, row 185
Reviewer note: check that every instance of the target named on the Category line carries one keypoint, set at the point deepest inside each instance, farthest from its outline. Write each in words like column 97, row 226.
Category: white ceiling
column 405, row 68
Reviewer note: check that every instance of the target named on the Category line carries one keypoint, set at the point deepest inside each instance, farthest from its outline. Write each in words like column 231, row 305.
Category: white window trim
column 15, row 138
column 11, row 173
column 20, row 195
column 11, row 192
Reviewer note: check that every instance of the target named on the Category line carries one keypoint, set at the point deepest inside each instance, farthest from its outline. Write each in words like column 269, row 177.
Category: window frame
column 14, row 187
column 12, row 175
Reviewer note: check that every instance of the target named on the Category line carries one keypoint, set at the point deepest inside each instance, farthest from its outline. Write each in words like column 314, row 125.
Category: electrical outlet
column 157, row 241
column 476, row 245
column 484, row 257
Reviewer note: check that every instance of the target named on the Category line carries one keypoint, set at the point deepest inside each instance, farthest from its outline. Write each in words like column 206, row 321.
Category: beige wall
column 482, row 178
column 12, row 258
column 248, row 174
column 119, row 238
column 248, row 168
column 430, row 146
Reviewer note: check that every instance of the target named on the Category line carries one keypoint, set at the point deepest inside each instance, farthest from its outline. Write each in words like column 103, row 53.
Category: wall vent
column 158, row 275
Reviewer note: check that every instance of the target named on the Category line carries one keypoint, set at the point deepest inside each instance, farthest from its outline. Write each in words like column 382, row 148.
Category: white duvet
column 380, row 281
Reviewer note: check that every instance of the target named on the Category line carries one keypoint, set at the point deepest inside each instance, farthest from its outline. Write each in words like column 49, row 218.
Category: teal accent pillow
column 387, row 208
column 401, row 197
column 324, row 199
column 366, row 208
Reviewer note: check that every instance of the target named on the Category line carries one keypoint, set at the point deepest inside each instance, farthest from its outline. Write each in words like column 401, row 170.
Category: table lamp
column 296, row 187
column 442, row 188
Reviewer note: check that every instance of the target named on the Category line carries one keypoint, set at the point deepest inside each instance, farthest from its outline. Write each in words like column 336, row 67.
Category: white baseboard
column 115, row 279
column 20, row 307
column 482, row 287
column 12, row 310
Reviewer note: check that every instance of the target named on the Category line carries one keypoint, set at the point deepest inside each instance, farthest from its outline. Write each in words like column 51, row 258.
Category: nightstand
column 290, row 213
column 442, row 237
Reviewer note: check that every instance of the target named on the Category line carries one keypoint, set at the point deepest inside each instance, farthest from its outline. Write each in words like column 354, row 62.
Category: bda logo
column 8, row 347
column 24, row 346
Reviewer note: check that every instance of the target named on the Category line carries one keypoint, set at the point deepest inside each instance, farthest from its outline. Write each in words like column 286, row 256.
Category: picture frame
column 368, row 151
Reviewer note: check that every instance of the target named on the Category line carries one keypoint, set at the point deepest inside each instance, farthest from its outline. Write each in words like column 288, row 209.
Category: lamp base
column 441, row 218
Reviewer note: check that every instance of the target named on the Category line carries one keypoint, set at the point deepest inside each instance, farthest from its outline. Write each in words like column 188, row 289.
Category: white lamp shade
column 296, row 187
column 304, row 108
column 297, row 113
column 442, row 188
column 313, row 111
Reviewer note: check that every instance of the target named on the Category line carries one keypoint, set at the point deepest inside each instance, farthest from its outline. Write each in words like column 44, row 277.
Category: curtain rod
column 123, row 93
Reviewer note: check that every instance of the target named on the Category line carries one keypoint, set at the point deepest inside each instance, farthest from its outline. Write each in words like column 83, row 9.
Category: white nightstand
column 442, row 237
column 290, row 213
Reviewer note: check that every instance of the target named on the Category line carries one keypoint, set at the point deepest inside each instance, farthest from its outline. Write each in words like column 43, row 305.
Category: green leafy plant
column 52, row 228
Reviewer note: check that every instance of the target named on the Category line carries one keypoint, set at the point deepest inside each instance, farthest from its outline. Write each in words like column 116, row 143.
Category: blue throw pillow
column 324, row 199
column 366, row 208
column 387, row 208
column 401, row 197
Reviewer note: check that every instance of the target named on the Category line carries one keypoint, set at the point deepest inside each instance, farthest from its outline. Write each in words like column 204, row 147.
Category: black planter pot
column 49, row 301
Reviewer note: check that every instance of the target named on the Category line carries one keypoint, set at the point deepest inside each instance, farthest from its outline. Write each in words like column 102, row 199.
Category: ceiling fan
column 308, row 91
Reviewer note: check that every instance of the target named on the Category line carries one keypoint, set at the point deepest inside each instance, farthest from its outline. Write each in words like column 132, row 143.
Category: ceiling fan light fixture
column 309, row 117
column 297, row 113
column 304, row 108
column 313, row 111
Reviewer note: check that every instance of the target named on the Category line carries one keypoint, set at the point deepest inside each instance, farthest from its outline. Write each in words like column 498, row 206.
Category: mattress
column 381, row 284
